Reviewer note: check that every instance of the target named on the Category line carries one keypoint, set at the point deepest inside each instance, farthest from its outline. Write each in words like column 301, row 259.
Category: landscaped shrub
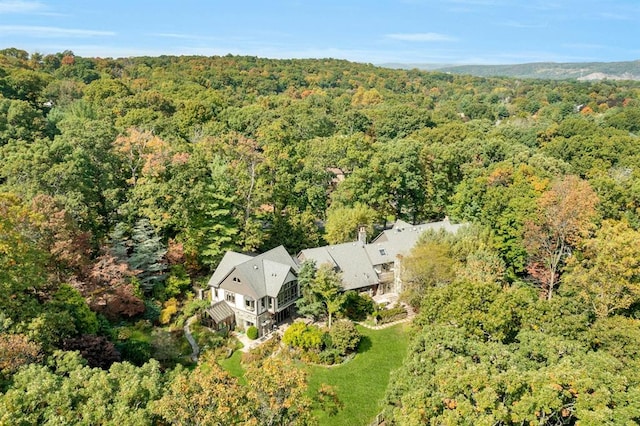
column 329, row 356
column 170, row 309
column 252, row 332
column 312, row 344
column 345, row 337
column 306, row 337
column 358, row 306
column 326, row 340
column 390, row 315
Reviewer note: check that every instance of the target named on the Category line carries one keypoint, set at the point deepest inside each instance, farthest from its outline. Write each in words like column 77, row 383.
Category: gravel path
column 195, row 350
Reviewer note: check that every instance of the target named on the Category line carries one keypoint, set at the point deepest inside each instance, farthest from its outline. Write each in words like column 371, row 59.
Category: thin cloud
column 173, row 35
column 421, row 37
column 20, row 6
column 38, row 31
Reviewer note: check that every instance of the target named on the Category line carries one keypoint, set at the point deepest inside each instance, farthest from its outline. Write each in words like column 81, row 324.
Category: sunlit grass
column 233, row 365
column 361, row 383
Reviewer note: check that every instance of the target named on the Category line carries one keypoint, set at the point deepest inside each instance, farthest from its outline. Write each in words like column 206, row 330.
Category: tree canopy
column 124, row 181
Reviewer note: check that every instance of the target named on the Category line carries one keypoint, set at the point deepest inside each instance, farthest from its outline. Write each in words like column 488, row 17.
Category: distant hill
column 583, row 71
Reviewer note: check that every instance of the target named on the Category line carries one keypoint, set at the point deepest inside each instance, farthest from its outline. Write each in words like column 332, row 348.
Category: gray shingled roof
column 220, row 311
column 356, row 261
column 265, row 273
column 351, row 260
column 402, row 238
column 229, row 261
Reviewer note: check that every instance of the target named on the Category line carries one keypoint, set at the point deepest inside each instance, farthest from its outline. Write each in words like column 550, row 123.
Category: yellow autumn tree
column 607, row 273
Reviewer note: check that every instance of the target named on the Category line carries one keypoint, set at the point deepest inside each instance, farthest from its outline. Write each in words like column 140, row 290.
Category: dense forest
column 124, row 181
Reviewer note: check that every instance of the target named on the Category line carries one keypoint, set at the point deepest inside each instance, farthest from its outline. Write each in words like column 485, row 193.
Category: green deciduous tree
column 343, row 223
column 69, row 300
column 295, row 230
column 502, row 198
column 22, row 261
column 68, row 392
column 429, row 265
column 328, row 286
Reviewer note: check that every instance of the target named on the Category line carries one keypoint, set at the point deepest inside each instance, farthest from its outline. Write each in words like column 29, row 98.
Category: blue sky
column 375, row 31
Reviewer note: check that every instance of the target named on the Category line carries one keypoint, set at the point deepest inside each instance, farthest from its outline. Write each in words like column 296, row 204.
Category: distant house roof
column 357, row 261
column 262, row 275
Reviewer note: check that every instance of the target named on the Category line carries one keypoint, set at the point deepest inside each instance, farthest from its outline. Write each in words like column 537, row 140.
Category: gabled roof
column 356, row 261
column 275, row 274
column 229, row 261
column 350, row 259
column 264, row 274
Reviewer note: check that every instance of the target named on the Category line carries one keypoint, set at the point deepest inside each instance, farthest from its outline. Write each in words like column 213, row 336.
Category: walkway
column 390, row 300
column 248, row 344
column 195, row 350
column 408, row 318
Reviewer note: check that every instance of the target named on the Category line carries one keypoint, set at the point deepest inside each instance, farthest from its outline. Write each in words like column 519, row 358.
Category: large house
column 253, row 290
column 261, row 290
column 374, row 267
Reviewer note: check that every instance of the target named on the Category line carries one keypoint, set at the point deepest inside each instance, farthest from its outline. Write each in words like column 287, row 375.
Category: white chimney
column 362, row 235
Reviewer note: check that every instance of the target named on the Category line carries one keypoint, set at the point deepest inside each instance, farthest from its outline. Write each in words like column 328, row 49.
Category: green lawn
column 361, row 382
column 233, row 366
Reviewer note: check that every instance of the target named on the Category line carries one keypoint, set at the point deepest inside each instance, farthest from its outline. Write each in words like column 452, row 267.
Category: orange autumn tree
column 563, row 219
column 277, row 393
column 143, row 153
column 208, row 395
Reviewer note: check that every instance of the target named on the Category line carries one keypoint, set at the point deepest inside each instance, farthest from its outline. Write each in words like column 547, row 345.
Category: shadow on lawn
column 365, row 344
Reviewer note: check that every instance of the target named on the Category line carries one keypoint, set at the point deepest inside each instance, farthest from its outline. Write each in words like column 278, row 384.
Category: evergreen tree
column 147, row 255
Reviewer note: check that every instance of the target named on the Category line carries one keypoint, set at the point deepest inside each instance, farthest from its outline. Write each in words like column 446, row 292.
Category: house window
column 230, row 297
column 250, row 304
column 270, row 302
column 288, row 293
